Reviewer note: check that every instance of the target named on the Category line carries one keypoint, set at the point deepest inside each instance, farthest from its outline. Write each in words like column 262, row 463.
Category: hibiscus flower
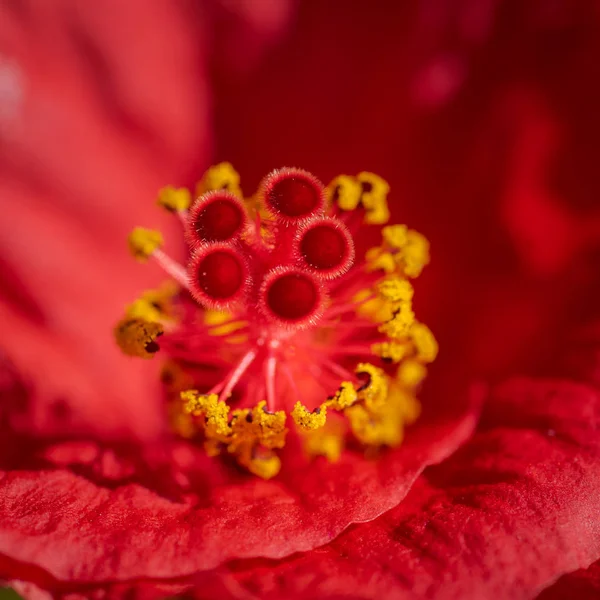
column 98, row 498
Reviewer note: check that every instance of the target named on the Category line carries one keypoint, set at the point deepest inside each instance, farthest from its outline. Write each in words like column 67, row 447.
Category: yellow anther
column 249, row 435
column 395, row 236
column 220, row 177
column 379, row 214
column 305, row 419
column 346, row 396
column 217, row 416
column 374, row 198
column 174, row 199
column 392, row 351
column 399, row 325
column 424, row 341
column 271, row 429
column 213, row 447
column 263, row 464
column 143, row 242
column 373, row 429
column 215, row 412
column 153, row 305
column 374, row 391
column 213, row 318
column 402, row 405
column 140, row 309
column 216, row 317
column 411, row 373
column 414, row 255
column 379, row 259
column 327, row 442
column 137, row 337
column 377, row 310
column 395, row 289
column 181, row 422
column 344, row 190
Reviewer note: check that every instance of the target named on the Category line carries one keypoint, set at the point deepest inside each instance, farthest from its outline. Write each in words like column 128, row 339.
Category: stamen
column 337, row 369
column 175, row 200
column 282, row 312
column 143, row 242
column 352, row 350
column 172, row 268
column 237, row 374
column 137, row 337
column 270, row 368
column 341, row 309
column 220, row 177
column 345, row 191
column 374, row 198
column 309, row 420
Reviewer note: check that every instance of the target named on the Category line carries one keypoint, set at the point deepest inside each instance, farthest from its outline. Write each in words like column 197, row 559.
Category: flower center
column 276, row 316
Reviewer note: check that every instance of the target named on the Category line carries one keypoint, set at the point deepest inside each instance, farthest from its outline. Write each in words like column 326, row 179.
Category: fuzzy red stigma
column 216, row 217
column 292, row 297
column 325, row 246
column 218, row 275
column 293, row 194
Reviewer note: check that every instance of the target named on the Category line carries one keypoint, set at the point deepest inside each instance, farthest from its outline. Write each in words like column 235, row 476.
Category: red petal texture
column 504, row 517
column 79, row 531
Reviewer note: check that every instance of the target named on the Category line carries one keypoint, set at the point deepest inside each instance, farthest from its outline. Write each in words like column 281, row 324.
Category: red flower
column 95, row 499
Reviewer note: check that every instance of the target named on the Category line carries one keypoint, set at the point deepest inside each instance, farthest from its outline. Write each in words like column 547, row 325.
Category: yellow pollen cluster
column 250, row 435
column 155, row 305
column 220, row 177
column 307, row 419
column 174, row 199
column 327, row 441
column 136, row 337
column 367, row 190
column 402, row 251
column 144, row 321
column 143, row 242
column 376, row 412
column 222, row 324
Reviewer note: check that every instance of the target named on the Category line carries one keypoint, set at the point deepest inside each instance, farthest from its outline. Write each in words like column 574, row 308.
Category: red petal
column 583, row 585
column 503, row 518
column 76, row 530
